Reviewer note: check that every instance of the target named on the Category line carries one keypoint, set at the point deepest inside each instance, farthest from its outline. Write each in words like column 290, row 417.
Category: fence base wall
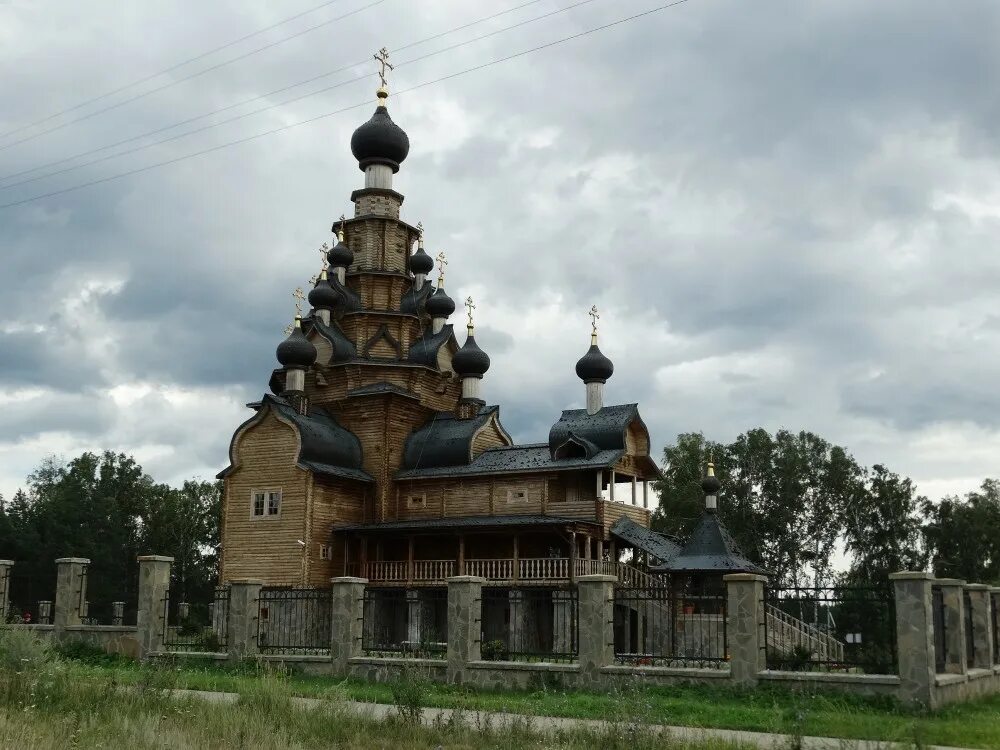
column 976, row 683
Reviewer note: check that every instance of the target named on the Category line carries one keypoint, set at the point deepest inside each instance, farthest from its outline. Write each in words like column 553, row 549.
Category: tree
column 961, row 534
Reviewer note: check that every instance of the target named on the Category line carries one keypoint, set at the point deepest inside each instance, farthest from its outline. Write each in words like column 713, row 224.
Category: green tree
column 961, row 534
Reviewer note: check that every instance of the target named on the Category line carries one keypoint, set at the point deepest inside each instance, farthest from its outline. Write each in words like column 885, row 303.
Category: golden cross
column 420, row 234
column 470, row 307
column 314, row 278
column 594, row 317
column 442, row 262
column 289, row 328
column 383, row 60
column 299, row 296
column 323, row 250
column 340, row 232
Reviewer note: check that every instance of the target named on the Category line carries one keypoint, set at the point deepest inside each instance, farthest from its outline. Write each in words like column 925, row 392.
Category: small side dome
column 421, row 262
column 323, row 296
column 296, row 350
column 340, row 255
column 711, row 484
column 470, row 361
column 440, row 305
column 380, row 140
column 594, row 367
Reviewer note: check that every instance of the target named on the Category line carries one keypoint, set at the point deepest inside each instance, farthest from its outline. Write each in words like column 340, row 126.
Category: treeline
column 105, row 508
column 804, row 508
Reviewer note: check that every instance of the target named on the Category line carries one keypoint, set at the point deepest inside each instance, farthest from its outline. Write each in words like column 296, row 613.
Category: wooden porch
column 523, row 571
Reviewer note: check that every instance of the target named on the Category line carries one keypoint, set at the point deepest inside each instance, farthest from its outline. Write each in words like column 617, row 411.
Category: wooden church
column 375, row 454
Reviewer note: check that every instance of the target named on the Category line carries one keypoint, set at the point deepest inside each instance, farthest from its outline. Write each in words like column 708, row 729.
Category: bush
column 86, row 652
column 21, row 650
column 495, row 650
column 408, row 698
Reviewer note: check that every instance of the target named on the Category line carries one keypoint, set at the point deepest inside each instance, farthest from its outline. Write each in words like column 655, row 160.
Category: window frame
column 268, row 495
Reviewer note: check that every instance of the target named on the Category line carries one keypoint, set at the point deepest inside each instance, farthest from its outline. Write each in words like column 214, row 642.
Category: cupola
column 594, row 369
column 439, row 305
column 380, row 145
column 470, row 362
column 340, row 256
column 324, row 298
column 711, row 486
column 296, row 354
column 421, row 263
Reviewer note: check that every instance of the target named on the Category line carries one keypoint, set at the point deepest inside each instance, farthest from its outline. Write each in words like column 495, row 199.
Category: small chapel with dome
column 376, row 451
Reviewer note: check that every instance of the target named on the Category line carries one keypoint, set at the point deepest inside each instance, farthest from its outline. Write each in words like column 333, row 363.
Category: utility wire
column 307, row 121
column 202, row 72
column 228, row 107
column 283, row 103
column 167, row 70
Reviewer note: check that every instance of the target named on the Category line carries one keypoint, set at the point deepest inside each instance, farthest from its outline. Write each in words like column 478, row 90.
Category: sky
column 786, row 212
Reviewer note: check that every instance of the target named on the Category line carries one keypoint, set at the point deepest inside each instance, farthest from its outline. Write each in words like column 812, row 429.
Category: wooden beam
column 645, row 493
column 600, row 483
column 612, row 485
column 516, row 557
column 572, row 556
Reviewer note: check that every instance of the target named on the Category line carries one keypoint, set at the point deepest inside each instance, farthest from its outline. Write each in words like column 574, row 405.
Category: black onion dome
column 711, row 484
column 323, row 296
column 594, row 367
column 380, row 140
column 439, row 304
column 421, row 262
column 470, row 361
column 296, row 350
column 340, row 255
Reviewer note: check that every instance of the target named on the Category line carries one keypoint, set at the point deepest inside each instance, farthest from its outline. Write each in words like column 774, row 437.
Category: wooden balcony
column 540, row 570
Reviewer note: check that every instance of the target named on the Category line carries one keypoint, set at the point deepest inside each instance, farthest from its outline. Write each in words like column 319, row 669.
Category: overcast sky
column 786, row 211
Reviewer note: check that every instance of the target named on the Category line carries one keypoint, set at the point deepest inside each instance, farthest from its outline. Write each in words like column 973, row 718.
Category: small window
column 416, row 501
column 324, row 552
column 258, row 504
column 265, row 503
column 517, row 496
column 274, row 503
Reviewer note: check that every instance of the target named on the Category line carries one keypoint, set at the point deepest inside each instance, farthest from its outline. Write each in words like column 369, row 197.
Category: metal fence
column 31, row 613
column 397, row 622
column 970, row 640
column 108, row 613
column 196, row 626
column 995, row 615
column 836, row 629
column 530, row 624
column 661, row 627
column 294, row 620
column 940, row 629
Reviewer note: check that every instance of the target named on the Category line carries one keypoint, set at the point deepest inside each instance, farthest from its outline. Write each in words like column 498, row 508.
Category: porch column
column 409, row 560
column 572, row 556
column 586, row 547
column 347, row 553
column 461, row 554
column 600, row 483
column 645, row 493
column 364, row 558
column 517, row 565
column 613, row 550
column 635, row 497
column 612, row 485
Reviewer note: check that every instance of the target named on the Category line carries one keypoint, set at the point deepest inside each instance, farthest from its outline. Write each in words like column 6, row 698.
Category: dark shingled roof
column 515, row 459
column 413, row 301
column 605, row 429
column 434, row 524
column 660, row 546
column 424, row 351
column 324, row 446
column 710, row 549
column 444, row 441
column 343, row 349
column 378, row 389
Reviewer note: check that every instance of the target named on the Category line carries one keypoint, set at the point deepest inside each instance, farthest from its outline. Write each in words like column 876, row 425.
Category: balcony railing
column 528, row 570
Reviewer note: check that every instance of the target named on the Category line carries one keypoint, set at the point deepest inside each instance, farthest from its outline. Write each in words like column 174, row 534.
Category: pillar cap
column 995, row 589
column 949, row 581
column 597, row 578
column 83, row 560
column 154, row 558
column 744, row 578
column 6, row 563
column 246, row 581
column 466, row 579
column 912, row 575
column 349, row 579
column 976, row 587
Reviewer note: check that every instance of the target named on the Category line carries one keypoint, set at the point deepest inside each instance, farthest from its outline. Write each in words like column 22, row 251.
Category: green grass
column 766, row 709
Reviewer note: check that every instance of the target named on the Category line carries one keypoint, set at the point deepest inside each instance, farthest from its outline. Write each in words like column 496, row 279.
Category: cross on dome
column 594, row 317
column 382, row 57
column 442, row 262
column 470, row 306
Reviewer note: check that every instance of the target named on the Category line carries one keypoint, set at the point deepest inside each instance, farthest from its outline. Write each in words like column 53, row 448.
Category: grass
column 765, row 709
column 48, row 702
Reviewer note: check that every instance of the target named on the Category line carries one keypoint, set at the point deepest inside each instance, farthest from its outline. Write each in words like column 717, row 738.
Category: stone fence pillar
column 982, row 625
column 953, row 599
column 71, row 591
column 347, row 612
column 745, row 614
column 5, row 566
column 915, row 636
column 150, row 618
column 596, row 633
column 465, row 614
column 244, row 604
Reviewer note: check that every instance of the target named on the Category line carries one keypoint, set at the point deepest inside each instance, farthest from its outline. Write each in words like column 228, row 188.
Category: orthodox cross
column 442, row 262
column 340, row 232
column 470, row 307
column 382, row 57
column 594, row 317
column 420, row 233
column 323, row 250
column 299, row 296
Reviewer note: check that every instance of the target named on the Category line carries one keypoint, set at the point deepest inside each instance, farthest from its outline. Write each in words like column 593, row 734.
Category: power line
column 168, row 70
column 279, row 104
column 202, row 72
column 252, row 99
column 310, row 120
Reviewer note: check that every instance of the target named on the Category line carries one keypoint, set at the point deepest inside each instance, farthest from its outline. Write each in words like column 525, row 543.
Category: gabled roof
column 324, row 446
column 446, row 440
column 605, row 429
column 709, row 549
column 658, row 545
column 424, row 350
column 514, row 459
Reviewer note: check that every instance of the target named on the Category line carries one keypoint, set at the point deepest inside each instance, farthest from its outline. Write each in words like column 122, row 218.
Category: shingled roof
column 658, row 545
column 343, row 349
column 324, row 446
column 445, row 441
column 515, row 459
column 710, row 549
column 424, row 350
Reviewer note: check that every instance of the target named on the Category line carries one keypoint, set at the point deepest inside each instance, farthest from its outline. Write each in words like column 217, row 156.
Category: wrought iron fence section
column 831, row 629
column 530, row 624
column 294, row 620
column 657, row 626
column 940, row 629
column 970, row 641
column 108, row 613
column 196, row 626
column 995, row 616
column 401, row 622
